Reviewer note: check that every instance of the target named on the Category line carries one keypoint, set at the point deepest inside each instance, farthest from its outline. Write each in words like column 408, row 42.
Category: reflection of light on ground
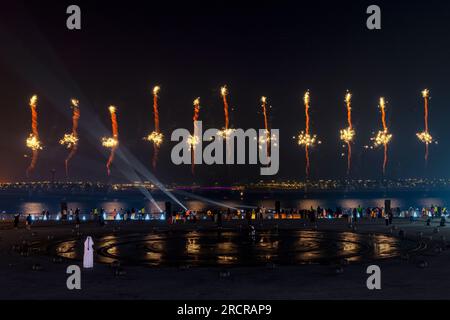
column 154, row 255
column 112, row 241
column 385, row 247
column 349, row 247
column 225, row 246
column 192, row 247
column 221, row 259
column 201, row 248
column 67, row 249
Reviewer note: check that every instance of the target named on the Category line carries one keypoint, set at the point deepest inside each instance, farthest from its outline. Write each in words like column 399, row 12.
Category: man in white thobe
column 88, row 257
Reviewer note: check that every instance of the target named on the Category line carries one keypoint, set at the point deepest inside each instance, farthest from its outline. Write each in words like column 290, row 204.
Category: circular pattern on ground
column 234, row 248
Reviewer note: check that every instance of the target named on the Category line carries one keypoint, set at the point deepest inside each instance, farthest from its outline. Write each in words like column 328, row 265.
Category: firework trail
column 348, row 134
column 266, row 124
column 305, row 138
column 383, row 137
column 155, row 107
column 224, row 93
column 425, row 136
column 156, row 136
column 193, row 141
column 306, row 101
column 112, row 142
column 33, row 140
column 70, row 140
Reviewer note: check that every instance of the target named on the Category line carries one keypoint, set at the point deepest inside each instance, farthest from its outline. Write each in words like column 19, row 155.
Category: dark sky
column 273, row 48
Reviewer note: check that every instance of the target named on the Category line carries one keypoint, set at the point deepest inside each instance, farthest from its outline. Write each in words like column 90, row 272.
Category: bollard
column 184, row 267
column 36, row 267
column 57, row 260
column 405, row 256
column 271, row 266
column 344, row 262
column 438, row 249
column 339, row 270
column 119, row 272
column 224, row 274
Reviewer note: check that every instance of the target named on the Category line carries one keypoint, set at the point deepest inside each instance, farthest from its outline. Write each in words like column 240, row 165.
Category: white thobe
column 88, row 257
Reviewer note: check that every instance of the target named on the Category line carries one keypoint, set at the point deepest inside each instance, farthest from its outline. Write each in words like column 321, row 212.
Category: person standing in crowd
column 386, row 217
column 29, row 221
column 77, row 218
column 16, row 220
column 219, row 219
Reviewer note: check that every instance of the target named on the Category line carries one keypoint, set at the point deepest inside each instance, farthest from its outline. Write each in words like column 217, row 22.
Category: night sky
column 277, row 49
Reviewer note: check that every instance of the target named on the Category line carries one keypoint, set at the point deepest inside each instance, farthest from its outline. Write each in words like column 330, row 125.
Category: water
column 37, row 205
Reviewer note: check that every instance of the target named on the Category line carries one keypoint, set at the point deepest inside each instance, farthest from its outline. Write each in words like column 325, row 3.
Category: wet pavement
column 285, row 260
column 227, row 247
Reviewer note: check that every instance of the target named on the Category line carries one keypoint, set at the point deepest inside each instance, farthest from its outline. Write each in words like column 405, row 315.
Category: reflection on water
column 206, row 248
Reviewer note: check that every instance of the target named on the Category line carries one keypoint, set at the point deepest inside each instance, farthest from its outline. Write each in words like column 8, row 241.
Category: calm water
column 209, row 247
column 36, row 205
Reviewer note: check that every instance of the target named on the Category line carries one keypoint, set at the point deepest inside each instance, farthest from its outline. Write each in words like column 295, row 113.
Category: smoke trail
column 71, row 140
column 224, row 93
column 350, row 128
column 156, row 119
column 194, row 138
column 383, row 120
column 112, row 142
column 33, row 140
column 306, row 101
column 266, row 124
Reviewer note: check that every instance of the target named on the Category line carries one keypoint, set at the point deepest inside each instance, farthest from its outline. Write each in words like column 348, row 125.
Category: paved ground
column 402, row 278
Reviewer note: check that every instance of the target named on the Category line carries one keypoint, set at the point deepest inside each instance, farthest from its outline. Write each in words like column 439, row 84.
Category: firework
column 225, row 133
column 305, row 138
column 383, row 137
column 156, row 137
column 268, row 139
column 112, row 142
column 70, row 140
column 348, row 133
column 32, row 141
column 193, row 139
column 425, row 136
